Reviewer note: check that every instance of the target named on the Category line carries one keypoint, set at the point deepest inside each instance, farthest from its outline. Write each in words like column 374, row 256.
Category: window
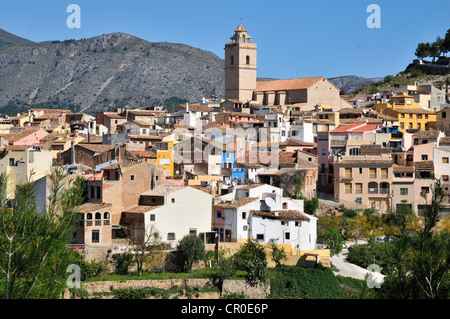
column 98, row 192
column 247, row 59
column 232, row 60
column 287, row 235
column 384, row 173
column 173, row 200
column 348, row 172
column 445, row 160
column 192, row 231
column 244, row 215
column 348, row 188
column 132, row 177
column 360, row 170
column 284, row 205
column 95, row 236
column 358, row 188
column 297, row 224
column 323, row 151
column 152, row 217
column 444, row 115
column 424, row 157
column 170, row 236
column 259, row 236
column 219, row 213
column 372, row 173
column 403, row 191
column 354, row 152
column 425, row 189
column 445, row 178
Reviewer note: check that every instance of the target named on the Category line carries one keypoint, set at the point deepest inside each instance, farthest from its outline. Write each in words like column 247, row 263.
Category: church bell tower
column 240, row 66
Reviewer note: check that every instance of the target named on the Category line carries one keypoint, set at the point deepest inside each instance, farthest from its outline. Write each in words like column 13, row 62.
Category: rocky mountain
column 349, row 83
column 7, row 39
column 105, row 72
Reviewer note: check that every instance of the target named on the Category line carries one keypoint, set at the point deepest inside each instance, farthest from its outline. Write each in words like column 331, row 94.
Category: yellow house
column 410, row 114
column 165, row 155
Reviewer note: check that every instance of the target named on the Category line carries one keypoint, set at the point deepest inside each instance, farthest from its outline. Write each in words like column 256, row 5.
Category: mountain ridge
column 110, row 71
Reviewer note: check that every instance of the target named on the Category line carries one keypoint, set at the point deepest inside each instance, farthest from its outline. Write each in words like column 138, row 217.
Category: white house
column 173, row 211
column 261, row 212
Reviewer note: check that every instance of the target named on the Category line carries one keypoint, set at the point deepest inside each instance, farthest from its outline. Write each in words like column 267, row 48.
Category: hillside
column 104, row 72
column 350, row 83
column 7, row 39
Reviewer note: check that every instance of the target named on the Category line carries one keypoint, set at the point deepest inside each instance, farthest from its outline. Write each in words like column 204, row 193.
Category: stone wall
column 229, row 286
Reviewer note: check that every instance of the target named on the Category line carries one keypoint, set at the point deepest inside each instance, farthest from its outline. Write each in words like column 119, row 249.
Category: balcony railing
column 372, row 175
column 347, row 176
column 378, row 190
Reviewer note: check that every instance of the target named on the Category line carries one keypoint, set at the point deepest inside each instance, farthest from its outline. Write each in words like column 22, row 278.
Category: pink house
column 32, row 135
column 332, row 143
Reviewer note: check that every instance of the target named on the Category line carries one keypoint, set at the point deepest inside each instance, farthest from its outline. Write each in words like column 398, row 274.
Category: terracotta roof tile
column 282, row 214
column 288, row 84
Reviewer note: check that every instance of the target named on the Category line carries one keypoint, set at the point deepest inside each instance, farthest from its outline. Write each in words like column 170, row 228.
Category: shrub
column 123, row 262
column 292, row 282
column 189, row 250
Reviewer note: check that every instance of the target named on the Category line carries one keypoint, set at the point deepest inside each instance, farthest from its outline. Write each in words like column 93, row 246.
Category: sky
column 295, row 38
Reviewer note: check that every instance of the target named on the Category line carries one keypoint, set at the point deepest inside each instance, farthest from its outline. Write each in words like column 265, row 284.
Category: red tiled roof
column 356, row 127
column 288, row 84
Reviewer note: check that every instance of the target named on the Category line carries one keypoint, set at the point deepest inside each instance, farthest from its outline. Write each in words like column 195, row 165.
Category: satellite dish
column 270, row 202
column 177, row 172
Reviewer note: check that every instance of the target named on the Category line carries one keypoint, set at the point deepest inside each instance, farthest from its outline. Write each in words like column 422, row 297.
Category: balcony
column 372, row 175
column 396, row 135
column 373, row 190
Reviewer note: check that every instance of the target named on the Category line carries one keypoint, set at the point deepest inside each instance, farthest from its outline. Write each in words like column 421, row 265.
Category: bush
column 362, row 255
column 247, row 252
column 123, row 262
column 311, row 205
column 189, row 250
column 292, row 282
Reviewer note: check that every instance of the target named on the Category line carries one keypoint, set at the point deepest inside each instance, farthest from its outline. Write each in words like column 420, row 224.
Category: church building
column 242, row 86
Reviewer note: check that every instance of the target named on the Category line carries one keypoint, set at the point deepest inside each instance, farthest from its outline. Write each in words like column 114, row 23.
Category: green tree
column 249, row 250
column 225, row 268
column 333, row 239
column 435, row 50
column 422, row 259
column 33, row 253
column 446, row 42
column 190, row 249
column 423, row 50
column 311, row 205
column 278, row 254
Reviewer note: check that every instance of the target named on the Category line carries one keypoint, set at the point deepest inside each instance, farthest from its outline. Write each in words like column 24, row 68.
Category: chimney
column 72, row 152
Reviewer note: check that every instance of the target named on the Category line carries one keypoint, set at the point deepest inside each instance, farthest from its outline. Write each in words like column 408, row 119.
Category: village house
column 261, row 212
column 174, row 212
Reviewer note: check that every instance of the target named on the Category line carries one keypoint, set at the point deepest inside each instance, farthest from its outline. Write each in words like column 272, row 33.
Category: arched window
column 247, row 59
column 373, row 188
column 106, row 215
column 284, row 205
column 98, row 216
column 232, row 60
column 89, row 216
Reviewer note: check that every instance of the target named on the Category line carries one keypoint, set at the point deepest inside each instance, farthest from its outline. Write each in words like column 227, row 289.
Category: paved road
column 347, row 269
